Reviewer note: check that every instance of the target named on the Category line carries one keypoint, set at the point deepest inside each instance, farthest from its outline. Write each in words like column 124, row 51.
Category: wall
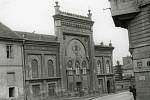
column 42, row 53
column 11, row 65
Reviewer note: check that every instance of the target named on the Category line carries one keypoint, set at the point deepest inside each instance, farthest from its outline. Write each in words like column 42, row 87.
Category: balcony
column 123, row 10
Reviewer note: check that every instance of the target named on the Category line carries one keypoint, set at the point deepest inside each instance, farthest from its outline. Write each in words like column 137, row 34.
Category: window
column 34, row 65
column 36, row 90
column 51, row 89
column 70, row 86
column 9, row 51
column 100, row 83
column 50, row 68
column 148, row 63
column 11, row 78
column 77, row 65
column 12, row 92
column 84, row 67
column 98, row 66
column 69, row 69
column 139, row 64
column 69, row 64
column 107, row 66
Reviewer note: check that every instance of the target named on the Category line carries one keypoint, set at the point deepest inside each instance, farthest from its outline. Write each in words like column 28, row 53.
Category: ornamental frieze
column 71, row 24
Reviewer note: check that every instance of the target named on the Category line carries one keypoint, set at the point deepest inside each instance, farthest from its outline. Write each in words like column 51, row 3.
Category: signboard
column 141, row 78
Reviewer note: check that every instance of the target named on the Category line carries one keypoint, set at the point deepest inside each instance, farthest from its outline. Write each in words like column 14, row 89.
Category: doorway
column 79, row 87
column 108, row 86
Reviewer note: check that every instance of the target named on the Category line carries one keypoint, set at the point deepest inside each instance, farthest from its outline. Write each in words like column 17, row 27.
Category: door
column 79, row 87
column 108, row 86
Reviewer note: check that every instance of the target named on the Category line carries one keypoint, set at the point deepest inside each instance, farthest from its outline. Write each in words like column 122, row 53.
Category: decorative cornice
column 74, row 15
column 76, row 25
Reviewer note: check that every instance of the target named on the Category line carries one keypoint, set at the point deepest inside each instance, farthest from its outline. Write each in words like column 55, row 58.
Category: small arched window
column 84, row 67
column 50, row 68
column 77, row 66
column 70, row 69
column 34, row 64
column 69, row 64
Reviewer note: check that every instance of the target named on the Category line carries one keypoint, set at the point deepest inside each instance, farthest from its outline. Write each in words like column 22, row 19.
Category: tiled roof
column 6, row 32
column 37, row 37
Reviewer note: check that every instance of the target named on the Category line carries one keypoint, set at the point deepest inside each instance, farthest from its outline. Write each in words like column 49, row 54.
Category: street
column 118, row 96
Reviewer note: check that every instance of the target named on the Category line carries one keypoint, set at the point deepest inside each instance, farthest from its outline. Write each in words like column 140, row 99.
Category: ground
column 118, row 96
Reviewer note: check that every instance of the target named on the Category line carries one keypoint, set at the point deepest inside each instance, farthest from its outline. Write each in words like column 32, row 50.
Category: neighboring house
column 134, row 16
column 124, row 74
column 11, row 65
column 118, row 71
column 41, row 70
column 127, row 68
column 104, row 68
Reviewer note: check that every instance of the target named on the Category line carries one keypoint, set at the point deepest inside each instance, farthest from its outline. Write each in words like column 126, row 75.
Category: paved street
column 118, row 96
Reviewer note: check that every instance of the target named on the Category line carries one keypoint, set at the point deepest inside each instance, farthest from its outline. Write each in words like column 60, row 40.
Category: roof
column 36, row 37
column 6, row 32
column 103, row 47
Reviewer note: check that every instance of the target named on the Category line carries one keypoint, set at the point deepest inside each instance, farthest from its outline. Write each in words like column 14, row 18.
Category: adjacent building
column 11, row 65
column 135, row 17
column 127, row 68
column 124, row 74
column 42, row 78
column 104, row 68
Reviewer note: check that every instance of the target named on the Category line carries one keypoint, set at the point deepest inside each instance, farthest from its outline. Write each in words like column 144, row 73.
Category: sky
column 36, row 16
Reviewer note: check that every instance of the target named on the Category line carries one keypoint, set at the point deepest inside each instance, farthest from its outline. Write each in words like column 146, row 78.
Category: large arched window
column 84, row 67
column 50, row 68
column 98, row 66
column 34, row 64
column 107, row 66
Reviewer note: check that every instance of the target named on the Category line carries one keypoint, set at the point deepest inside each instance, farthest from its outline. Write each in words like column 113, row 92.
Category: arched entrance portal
column 108, row 86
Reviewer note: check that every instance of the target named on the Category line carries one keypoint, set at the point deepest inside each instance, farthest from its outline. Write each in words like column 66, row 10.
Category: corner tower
column 74, row 32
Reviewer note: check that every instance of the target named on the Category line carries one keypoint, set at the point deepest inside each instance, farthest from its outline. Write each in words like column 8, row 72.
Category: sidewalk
column 87, row 97
column 90, row 97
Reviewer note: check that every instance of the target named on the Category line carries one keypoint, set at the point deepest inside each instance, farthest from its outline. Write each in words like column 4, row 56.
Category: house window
column 34, row 65
column 11, row 78
column 139, row 64
column 51, row 89
column 12, row 92
column 36, row 90
column 9, row 51
column 107, row 66
column 50, row 68
column 148, row 63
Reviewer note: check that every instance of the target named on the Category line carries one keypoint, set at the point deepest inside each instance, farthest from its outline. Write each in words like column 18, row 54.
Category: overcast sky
column 36, row 15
